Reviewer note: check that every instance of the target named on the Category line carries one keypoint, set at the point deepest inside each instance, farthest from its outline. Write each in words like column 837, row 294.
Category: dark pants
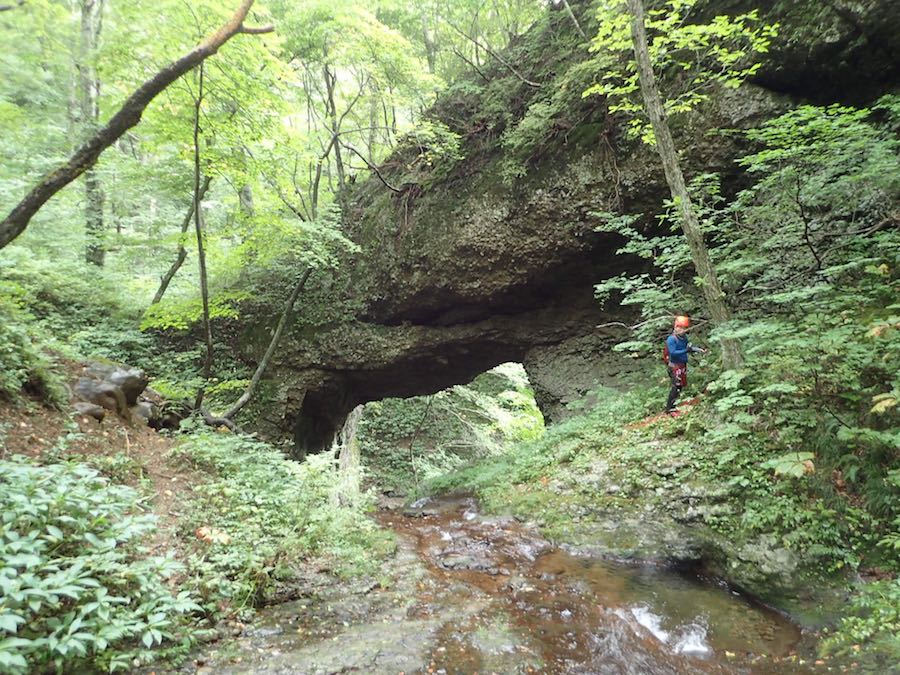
column 678, row 377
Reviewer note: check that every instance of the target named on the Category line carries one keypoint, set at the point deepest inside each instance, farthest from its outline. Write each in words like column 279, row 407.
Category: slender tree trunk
column 412, row 441
column 393, row 124
column 245, row 201
column 430, row 46
column 89, row 112
column 574, row 20
column 166, row 278
column 273, row 345
column 116, row 209
column 712, row 291
column 201, row 250
column 373, row 123
column 330, row 82
column 314, row 196
column 127, row 116
column 387, row 123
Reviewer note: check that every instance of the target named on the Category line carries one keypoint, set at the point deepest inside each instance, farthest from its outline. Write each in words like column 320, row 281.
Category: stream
column 466, row 593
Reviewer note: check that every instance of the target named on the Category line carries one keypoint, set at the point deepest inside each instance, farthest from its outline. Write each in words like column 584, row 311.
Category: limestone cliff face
column 461, row 271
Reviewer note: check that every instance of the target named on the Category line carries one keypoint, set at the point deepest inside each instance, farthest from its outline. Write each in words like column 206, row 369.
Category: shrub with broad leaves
column 76, row 590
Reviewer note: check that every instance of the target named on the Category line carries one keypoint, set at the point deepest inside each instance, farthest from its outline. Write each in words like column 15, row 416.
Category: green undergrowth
column 67, row 309
column 530, row 465
column 79, row 591
column 405, row 442
column 27, row 369
column 871, row 625
column 79, row 310
column 261, row 515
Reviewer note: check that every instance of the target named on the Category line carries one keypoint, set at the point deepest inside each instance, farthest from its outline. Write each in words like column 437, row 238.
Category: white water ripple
column 689, row 640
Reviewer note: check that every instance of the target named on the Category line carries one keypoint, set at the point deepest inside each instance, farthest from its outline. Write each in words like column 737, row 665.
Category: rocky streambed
column 467, row 593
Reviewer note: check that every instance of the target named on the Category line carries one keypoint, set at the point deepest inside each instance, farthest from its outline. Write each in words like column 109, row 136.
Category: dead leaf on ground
column 212, row 535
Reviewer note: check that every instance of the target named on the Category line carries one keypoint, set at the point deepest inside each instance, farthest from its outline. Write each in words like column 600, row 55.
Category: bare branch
column 259, row 30
column 490, row 51
column 270, row 351
column 370, row 165
column 128, row 116
column 166, row 279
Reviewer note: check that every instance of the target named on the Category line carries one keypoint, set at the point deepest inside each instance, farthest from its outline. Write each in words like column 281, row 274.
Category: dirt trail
column 130, row 453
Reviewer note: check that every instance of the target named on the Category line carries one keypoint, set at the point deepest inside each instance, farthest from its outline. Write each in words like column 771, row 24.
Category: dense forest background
column 238, row 196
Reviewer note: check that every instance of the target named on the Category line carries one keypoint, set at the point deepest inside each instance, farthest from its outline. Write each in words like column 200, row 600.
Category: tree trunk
column 430, row 46
column 712, row 291
column 89, row 113
column 245, row 201
column 127, row 116
column 201, row 250
column 330, row 82
column 373, row 124
column 273, row 345
column 166, row 279
column 574, row 20
column 95, row 250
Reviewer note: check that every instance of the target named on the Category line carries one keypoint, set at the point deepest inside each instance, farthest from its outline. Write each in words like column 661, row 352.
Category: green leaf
column 794, row 464
column 10, row 622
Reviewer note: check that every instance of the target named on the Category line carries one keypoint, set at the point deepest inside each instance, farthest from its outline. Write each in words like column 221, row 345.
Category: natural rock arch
column 461, row 272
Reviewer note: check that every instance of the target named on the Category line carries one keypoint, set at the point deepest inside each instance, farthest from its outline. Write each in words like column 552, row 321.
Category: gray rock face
column 132, row 381
column 460, row 272
column 765, row 559
column 145, row 411
column 828, row 51
column 476, row 274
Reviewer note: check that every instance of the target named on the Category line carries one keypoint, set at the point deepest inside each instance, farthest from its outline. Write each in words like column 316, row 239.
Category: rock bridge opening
column 402, row 441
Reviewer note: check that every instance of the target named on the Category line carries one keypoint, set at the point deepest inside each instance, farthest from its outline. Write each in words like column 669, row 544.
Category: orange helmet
column 682, row 322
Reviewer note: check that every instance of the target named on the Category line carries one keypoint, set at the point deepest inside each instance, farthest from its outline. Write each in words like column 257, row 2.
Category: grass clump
column 260, row 515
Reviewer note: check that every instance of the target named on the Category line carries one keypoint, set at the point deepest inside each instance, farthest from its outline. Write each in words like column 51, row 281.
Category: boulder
column 144, row 411
column 103, row 394
column 132, row 381
column 90, row 410
column 114, row 387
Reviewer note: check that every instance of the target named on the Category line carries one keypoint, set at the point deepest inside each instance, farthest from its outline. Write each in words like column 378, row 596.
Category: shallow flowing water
column 474, row 594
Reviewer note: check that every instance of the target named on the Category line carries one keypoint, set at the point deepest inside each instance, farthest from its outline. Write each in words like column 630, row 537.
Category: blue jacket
column 678, row 347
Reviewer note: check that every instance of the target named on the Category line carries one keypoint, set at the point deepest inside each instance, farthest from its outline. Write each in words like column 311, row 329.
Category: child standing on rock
column 675, row 353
